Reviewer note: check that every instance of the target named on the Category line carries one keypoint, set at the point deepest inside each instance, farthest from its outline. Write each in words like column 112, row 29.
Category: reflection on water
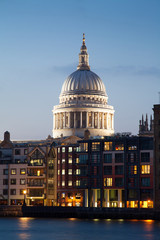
column 64, row 229
column 24, row 236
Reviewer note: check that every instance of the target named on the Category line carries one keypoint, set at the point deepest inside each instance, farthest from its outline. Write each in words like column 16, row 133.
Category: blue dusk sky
column 39, row 45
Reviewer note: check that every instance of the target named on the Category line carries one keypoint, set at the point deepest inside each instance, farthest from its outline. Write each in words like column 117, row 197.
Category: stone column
column 54, row 122
column 74, row 120
column 80, row 119
column 86, row 198
column 112, row 121
column 86, row 119
column 102, row 120
column 98, row 119
column 92, row 119
column 106, row 120
column 107, row 204
column 69, row 120
column 64, row 120
column 94, row 197
column 119, row 198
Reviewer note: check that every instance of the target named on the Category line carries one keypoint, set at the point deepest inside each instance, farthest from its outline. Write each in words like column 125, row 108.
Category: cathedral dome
column 83, row 82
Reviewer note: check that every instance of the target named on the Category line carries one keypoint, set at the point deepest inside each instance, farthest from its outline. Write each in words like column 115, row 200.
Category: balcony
column 36, row 165
column 36, row 185
column 30, row 175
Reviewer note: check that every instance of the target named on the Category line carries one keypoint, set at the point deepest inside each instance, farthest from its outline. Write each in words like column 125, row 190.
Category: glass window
column 107, row 146
column 69, row 183
column 107, row 182
column 70, row 160
column 118, row 170
column 145, row 182
column 95, row 146
column 70, row 149
column 63, row 149
column 22, row 191
column 145, row 169
column 5, row 181
column 107, row 170
column 5, row 191
column 63, row 183
column 83, row 159
column 63, row 160
column 25, row 151
column 22, row 181
column 22, row 171
column 13, row 181
column 119, row 157
column 119, row 147
column 58, row 172
column 63, row 171
column 17, row 152
column 83, row 147
column 5, row 171
column 59, row 150
column 78, row 172
column 69, row 171
column 13, row 171
column 132, row 147
column 119, row 182
column 108, row 158
column 145, row 157
column 13, row 191
column 135, row 169
column 77, row 183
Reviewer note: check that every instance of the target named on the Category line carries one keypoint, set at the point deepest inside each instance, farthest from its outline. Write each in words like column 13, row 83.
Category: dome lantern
column 83, row 57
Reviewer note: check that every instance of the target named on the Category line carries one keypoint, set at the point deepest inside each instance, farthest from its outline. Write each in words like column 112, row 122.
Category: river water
column 75, row 229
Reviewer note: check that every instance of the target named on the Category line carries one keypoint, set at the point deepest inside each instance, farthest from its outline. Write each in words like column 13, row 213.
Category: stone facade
column 83, row 104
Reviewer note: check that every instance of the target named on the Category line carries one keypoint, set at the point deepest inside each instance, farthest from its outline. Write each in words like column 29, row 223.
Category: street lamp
column 24, row 192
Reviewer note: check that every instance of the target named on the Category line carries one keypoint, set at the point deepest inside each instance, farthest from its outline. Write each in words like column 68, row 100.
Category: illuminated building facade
column 110, row 172
column 83, row 103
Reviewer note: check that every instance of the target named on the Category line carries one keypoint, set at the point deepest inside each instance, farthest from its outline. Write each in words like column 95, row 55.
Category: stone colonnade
column 83, row 119
column 107, row 202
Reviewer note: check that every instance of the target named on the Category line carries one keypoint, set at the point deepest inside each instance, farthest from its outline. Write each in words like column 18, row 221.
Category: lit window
column 58, row 172
column 145, row 169
column 13, row 171
column 84, row 147
column 38, row 172
column 69, row 183
column 70, row 149
column 63, row 183
column 119, row 147
column 69, row 171
column 63, row 160
column 77, row 160
column 58, row 150
column 107, row 182
column 95, row 146
column 135, row 169
column 22, row 181
column 63, row 171
column 78, row 171
column 22, row 171
column 132, row 147
column 13, row 181
column 63, row 195
column 77, row 182
column 107, row 146
column 63, row 149
column 58, row 161
column 70, row 160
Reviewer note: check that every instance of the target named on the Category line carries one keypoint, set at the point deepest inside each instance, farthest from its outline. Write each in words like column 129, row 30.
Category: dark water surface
column 69, row 229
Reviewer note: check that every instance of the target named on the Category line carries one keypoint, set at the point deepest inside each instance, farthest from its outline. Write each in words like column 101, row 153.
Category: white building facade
column 83, row 103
